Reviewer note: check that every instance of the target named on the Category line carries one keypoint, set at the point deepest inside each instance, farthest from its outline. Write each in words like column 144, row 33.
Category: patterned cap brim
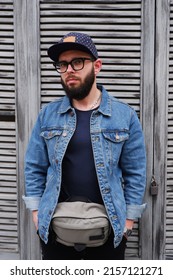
column 55, row 50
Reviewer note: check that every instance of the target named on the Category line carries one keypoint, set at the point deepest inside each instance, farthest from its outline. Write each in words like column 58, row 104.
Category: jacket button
column 71, row 113
column 56, row 161
column 117, row 137
column 64, row 133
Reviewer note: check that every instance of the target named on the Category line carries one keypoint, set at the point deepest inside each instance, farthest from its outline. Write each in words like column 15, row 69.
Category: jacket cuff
column 135, row 211
column 31, row 202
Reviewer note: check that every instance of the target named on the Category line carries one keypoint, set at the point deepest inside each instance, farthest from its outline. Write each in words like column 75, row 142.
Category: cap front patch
column 71, row 39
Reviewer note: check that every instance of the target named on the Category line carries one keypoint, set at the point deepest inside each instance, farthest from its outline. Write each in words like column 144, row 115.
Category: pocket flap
column 48, row 134
column 116, row 136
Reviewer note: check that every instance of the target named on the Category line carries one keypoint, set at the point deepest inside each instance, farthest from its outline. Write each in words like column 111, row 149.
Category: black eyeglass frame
column 83, row 59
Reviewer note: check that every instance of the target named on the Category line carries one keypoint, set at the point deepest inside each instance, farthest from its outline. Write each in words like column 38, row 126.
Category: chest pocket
column 116, row 136
column 52, row 139
column 49, row 134
column 114, row 141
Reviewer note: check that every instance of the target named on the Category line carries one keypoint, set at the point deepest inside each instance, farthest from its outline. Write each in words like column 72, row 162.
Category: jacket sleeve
column 133, row 164
column 36, row 165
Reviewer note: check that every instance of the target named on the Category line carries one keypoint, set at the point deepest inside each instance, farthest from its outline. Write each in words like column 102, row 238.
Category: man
column 85, row 144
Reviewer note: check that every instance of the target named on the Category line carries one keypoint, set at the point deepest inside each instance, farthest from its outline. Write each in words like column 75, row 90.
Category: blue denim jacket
column 119, row 155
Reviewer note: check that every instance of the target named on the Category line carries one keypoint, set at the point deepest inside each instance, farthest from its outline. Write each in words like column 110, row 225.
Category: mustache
column 71, row 77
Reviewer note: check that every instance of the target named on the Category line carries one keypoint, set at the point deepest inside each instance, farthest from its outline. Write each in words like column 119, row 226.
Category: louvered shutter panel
column 8, row 185
column 169, row 189
column 115, row 27
column 7, row 97
column 116, row 30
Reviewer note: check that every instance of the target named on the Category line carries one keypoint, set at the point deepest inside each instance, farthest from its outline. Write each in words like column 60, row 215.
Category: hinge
column 154, row 186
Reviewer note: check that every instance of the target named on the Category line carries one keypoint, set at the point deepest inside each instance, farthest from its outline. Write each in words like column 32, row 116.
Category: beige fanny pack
column 81, row 224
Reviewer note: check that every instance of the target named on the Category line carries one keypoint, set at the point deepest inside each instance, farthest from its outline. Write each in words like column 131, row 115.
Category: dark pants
column 56, row 251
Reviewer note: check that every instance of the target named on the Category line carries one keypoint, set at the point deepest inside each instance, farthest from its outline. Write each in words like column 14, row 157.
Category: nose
column 69, row 68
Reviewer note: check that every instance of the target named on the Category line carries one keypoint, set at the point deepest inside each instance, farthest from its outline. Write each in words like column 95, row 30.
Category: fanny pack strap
column 74, row 198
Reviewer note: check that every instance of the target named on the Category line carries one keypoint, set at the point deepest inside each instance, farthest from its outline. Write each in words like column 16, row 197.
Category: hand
column 129, row 224
column 35, row 218
column 128, row 228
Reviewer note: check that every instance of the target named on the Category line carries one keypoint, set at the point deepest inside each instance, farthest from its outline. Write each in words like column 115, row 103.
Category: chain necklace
column 96, row 102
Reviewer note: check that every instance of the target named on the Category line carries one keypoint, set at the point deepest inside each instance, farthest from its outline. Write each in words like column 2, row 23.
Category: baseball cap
column 73, row 41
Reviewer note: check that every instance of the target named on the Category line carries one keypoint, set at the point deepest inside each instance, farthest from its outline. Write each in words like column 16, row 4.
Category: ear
column 97, row 66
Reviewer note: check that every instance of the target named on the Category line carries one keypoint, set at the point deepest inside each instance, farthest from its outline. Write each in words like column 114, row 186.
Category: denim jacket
column 119, row 156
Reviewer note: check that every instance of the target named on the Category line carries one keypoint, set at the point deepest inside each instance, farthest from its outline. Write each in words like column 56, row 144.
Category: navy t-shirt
column 79, row 176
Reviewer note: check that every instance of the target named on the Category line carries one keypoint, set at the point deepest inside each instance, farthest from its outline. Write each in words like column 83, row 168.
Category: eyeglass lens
column 76, row 63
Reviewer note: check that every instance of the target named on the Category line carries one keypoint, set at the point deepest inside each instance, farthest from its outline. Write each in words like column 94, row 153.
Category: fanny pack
column 80, row 224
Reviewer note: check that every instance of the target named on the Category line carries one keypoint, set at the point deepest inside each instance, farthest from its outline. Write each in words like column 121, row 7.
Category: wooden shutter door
column 9, row 247
column 115, row 27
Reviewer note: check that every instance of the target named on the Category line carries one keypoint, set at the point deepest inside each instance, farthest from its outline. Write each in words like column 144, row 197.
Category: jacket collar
column 105, row 105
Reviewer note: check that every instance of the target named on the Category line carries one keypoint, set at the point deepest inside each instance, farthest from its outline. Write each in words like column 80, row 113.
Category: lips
column 71, row 80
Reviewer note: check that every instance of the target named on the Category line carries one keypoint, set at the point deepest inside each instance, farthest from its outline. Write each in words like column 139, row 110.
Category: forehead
column 68, row 55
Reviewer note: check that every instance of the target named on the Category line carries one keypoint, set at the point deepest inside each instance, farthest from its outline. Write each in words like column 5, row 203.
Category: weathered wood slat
column 8, row 25
column 4, row 13
column 7, row 78
column 10, row 168
column 9, row 203
column 8, row 132
column 103, row 6
column 5, row 94
column 7, row 57
column 8, row 215
column 8, row 234
column 7, row 171
column 7, row 159
column 8, row 248
column 7, row 138
column 8, row 146
column 7, row 178
column 7, row 107
column 61, row 9
column 8, row 208
column 4, row 32
column 89, row 2
column 118, row 41
column 111, row 68
column 122, row 75
column 119, row 34
column 66, row 21
column 7, row 67
column 6, row 101
column 9, row 125
column 116, row 47
column 7, row 184
column 9, row 49
column 118, row 85
column 5, row 41
column 7, row 21
column 4, row 223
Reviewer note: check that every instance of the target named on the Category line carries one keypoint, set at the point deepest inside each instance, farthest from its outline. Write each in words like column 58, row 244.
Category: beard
column 81, row 91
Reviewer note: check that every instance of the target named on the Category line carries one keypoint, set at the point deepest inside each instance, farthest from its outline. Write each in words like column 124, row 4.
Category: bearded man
column 85, row 145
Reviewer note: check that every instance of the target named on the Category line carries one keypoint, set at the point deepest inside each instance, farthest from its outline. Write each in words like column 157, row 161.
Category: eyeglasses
column 77, row 64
